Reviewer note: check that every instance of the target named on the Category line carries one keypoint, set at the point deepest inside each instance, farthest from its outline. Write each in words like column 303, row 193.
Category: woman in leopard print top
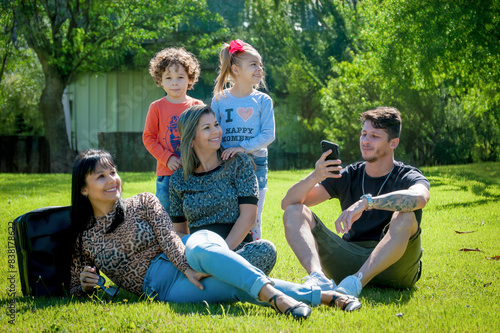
column 121, row 237
column 125, row 254
column 134, row 243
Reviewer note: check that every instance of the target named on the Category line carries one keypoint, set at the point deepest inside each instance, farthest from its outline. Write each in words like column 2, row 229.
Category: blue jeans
column 162, row 192
column 261, row 171
column 233, row 278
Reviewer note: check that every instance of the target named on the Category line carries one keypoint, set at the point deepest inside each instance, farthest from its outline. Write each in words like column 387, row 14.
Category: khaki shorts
column 341, row 258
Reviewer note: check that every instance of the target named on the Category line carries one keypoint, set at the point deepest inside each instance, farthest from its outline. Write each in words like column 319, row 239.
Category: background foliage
column 438, row 62
column 21, row 79
column 326, row 62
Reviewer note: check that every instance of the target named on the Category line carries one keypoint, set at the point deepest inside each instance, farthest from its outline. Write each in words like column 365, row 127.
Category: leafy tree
column 327, row 61
column 20, row 81
column 20, row 91
column 74, row 36
column 438, row 62
column 7, row 26
column 297, row 39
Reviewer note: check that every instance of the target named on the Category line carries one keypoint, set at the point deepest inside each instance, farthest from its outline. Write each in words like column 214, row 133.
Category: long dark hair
column 82, row 213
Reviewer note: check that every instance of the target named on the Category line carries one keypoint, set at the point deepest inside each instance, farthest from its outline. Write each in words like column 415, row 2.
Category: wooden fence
column 30, row 154
column 24, row 154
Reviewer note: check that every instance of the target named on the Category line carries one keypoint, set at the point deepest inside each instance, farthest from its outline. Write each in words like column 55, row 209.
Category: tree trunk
column 61, row 155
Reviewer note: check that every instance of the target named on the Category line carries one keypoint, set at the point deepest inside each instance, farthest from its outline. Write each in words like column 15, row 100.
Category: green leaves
column 82, row 35
column 438, row 62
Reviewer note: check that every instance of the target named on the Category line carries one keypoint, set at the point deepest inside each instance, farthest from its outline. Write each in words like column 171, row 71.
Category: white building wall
column 109, row 102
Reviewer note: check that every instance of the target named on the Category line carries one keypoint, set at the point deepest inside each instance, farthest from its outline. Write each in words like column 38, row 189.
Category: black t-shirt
column 349, row 188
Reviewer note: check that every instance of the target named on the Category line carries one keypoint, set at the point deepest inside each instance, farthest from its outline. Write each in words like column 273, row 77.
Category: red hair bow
column 236, row 45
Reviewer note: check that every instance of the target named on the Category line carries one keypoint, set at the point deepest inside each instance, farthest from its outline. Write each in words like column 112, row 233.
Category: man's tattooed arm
column 414, row 198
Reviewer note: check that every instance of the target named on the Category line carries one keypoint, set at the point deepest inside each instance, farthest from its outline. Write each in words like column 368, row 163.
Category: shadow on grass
column 487, row 173
column 451, row 187
column 469, row 204
column 371, row 295
column 388, row 296
column 32, row 304
column 436, row 182
column 478, row 189
column 481, row 190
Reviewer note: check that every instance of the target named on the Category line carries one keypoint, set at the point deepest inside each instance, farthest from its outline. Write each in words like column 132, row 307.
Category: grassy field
column 459, row 290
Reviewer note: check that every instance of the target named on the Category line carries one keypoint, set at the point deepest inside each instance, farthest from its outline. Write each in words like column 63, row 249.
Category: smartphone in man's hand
column 334, row 155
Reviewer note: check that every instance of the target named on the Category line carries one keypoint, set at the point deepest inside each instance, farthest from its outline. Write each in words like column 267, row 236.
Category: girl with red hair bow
column 245, row 114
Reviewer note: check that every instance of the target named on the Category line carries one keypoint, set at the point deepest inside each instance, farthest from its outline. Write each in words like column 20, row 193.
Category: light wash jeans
column 261, row 173
column 233, row 278
column 162, row 192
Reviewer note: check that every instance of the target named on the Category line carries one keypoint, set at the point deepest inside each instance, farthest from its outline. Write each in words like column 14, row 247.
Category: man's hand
column 174, row 163
column 324, row 168
column 350, row 215
column 229, row 152
column 195, row 277
column 308, row 191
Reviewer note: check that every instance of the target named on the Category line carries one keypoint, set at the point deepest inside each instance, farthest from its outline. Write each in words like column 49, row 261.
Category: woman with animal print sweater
column 134, row 243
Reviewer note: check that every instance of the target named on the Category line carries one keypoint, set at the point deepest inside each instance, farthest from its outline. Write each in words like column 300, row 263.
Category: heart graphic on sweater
column 245, row 113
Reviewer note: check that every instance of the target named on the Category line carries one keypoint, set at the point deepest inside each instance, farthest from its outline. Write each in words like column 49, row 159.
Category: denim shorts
column 261, row 172
column 162, row 192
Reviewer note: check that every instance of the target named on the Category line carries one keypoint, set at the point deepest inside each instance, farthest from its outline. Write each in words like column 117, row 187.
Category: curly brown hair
column 177, row 56
column 386, row 118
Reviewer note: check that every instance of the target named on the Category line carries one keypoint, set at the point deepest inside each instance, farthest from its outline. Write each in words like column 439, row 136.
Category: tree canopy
column 438, row 62
column 326, row 62
column 70, row 37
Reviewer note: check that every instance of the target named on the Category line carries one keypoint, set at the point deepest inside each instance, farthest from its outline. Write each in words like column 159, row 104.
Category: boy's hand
column 229, row 152
column 174, row 163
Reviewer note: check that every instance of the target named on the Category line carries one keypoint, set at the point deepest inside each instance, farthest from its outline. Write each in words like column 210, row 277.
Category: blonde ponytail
column 222, row 80
column 225, row 78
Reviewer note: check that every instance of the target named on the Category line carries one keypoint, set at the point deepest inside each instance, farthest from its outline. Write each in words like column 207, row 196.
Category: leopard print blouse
column 125, row 254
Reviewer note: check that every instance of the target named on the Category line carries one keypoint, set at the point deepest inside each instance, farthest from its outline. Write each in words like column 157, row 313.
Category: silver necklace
column 381, row 187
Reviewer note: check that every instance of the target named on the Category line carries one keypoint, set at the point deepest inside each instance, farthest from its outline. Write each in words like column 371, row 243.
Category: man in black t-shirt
column 381, row 201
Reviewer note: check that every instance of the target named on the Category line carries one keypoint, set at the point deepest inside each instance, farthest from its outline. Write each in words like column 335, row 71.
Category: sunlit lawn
column 459, row 290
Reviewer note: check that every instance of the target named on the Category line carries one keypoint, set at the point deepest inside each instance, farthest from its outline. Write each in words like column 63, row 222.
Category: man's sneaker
column 318, row 279
column 351, row 285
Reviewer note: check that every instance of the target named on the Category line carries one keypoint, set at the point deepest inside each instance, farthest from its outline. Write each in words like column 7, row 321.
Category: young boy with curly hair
column 176, row 71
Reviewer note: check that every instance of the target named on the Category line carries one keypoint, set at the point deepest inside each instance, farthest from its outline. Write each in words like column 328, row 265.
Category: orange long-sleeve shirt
column 161, row 136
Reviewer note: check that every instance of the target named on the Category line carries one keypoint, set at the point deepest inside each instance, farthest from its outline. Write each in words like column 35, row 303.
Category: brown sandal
column 298, row 311
column 345, row 302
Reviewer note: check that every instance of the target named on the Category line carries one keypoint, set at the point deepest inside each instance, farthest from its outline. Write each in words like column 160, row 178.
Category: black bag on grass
column 45, row 241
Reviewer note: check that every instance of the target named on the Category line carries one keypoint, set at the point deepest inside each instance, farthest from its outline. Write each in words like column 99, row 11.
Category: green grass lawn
column 459, row 291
